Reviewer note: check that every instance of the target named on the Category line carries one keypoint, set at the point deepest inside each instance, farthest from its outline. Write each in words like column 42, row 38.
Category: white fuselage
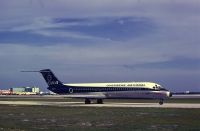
column 128, row 90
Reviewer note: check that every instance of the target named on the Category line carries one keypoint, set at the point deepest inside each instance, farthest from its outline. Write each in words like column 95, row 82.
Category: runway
column 179, row 96
column 186, row 96
column 16, row 100
column 107, row 104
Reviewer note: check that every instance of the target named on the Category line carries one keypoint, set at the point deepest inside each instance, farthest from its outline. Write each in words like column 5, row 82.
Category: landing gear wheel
column 161, row 102
column 99, row 101
column 87, row 101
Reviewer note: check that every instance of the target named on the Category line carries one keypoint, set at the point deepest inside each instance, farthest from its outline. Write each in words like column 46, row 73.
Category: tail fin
column 50, row 78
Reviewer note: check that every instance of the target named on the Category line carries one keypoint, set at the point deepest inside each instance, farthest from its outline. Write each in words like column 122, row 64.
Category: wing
column 92, row 95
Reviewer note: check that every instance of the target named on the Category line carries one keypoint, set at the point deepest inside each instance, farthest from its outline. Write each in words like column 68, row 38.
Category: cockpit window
column 157, row 87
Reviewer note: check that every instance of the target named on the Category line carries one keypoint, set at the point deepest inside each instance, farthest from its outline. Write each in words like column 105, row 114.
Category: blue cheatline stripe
column 76, row 89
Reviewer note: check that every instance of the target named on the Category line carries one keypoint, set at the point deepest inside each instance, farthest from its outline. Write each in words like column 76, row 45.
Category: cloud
column 102, row 40
column 178, row 63
column 36, row 24
column 93, row 29
column 110, row 55
column 80, row 63
column 179, row 15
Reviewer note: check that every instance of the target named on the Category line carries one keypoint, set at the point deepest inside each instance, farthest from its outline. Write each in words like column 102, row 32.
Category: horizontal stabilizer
column 37, row 71
column 30, row 71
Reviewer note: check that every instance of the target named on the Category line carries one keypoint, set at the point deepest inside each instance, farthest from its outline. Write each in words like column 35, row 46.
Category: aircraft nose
column 169, row 94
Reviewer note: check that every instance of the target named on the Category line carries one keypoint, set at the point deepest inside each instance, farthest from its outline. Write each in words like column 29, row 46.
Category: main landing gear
column 88, row 101
column 161, row 102
column 99, row 101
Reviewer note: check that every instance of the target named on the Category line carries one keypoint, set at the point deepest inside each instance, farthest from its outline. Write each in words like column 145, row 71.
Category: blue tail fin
column 50, row 78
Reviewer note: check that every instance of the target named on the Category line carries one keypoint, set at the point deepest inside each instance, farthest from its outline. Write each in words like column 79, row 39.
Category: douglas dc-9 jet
column 100, row 91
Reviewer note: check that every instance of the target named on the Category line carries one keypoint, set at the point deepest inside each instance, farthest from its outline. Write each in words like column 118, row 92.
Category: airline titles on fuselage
column 124, row 85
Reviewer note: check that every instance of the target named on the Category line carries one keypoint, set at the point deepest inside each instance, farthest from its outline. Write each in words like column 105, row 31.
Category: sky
column 101, row 41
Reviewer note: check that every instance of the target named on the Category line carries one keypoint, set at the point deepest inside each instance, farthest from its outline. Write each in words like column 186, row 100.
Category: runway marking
column 107, row 104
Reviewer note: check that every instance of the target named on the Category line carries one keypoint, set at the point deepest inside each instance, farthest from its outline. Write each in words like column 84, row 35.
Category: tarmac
column 179, row 96
column 107, row 104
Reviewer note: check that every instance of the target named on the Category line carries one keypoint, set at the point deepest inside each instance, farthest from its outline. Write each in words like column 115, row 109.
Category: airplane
column 100, row 91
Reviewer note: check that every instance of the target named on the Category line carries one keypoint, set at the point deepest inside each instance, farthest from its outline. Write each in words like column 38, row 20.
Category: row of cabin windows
column 108, row 89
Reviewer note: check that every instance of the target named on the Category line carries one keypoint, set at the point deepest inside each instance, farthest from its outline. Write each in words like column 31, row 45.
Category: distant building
column 25, row 90
column 36, row 89
column 187, row 92
column 5, row 92
column 28, row 89
column 18, row 89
